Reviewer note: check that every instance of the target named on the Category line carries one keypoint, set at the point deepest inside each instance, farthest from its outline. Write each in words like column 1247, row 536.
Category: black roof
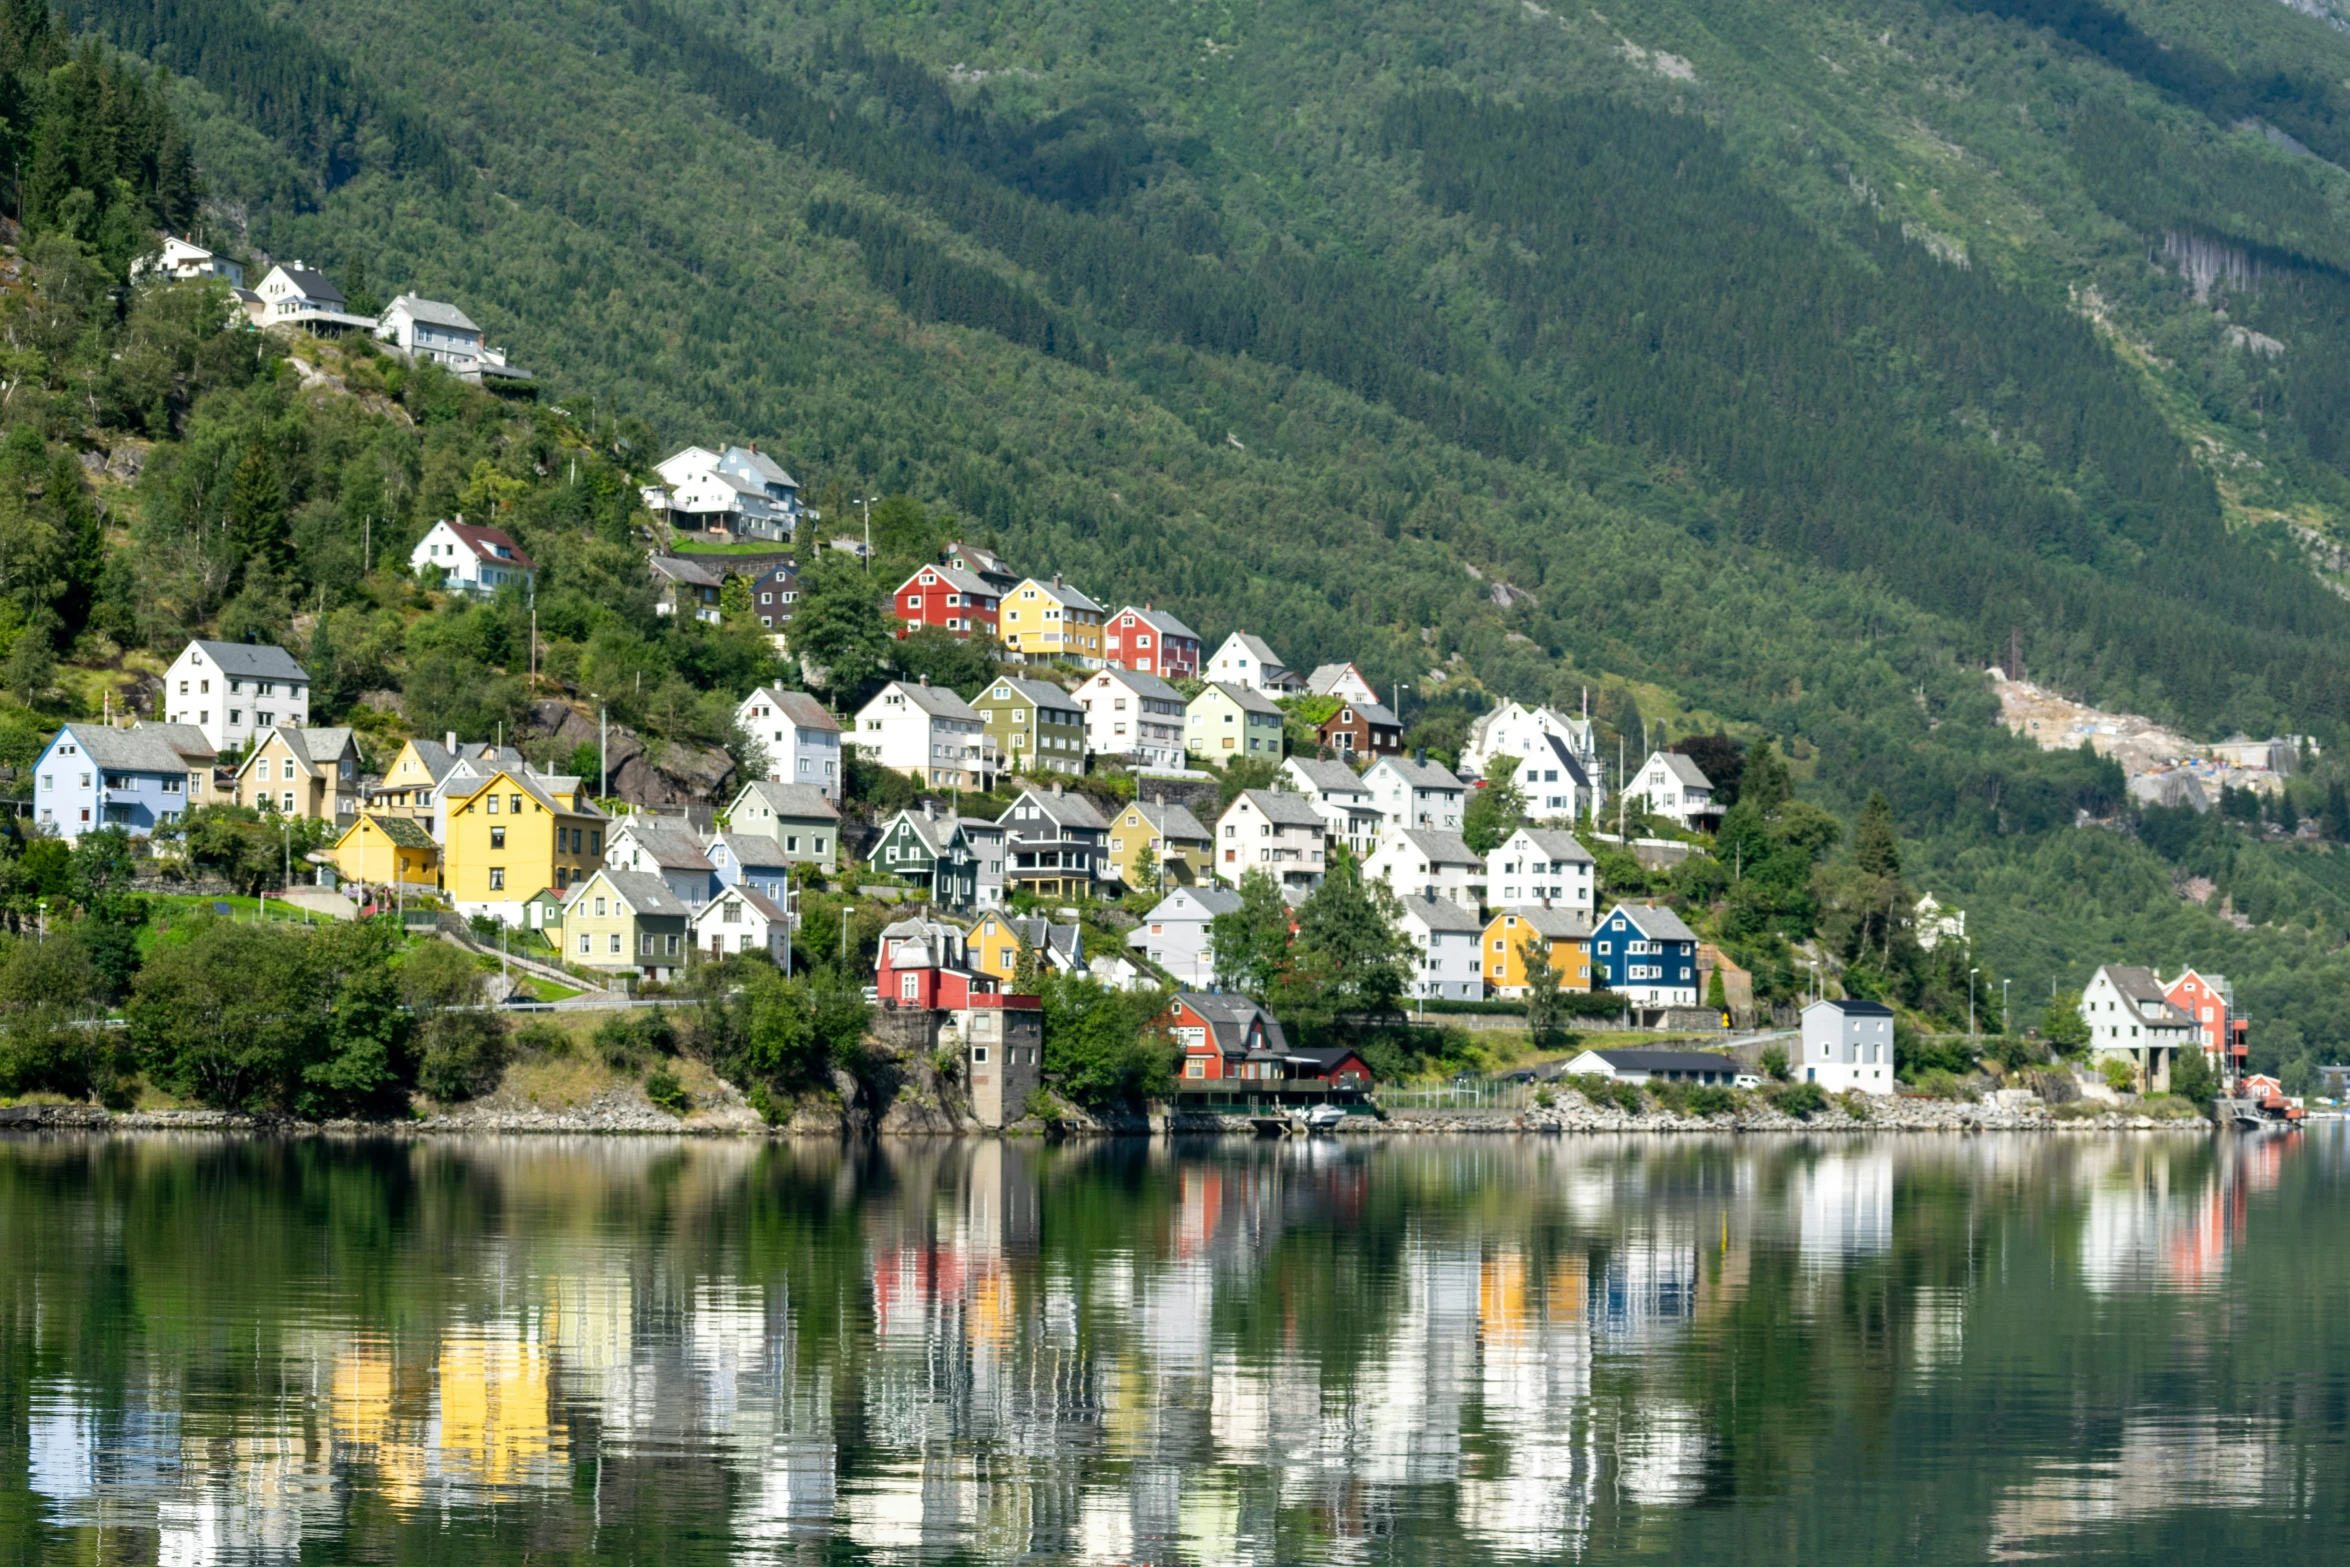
column 1862, row 1008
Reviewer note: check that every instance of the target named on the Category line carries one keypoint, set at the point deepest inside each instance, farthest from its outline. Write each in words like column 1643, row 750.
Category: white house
column 292, row 295
column 1415, row 863
column 2131, row 1019
column 1348, row 816
column 1544, row 867
column 184, row 261
column 739, row 491
column 1133, row 715
column 1447, row 936
column 1415, row 793
column 1657, row 1066
column 1514, row 729
column 1174, row 934
column 431, row 329
column 804, row 825
column 1343, row 681
column 667, row 848
column 928, row 733
column 801, row 739
column 742, row 919
column 1670, row 785
column 1556, row 786
column 1274, row 831
column 234, row 691
column 1248, row 662
column 470, row 559
column 1847, row 1045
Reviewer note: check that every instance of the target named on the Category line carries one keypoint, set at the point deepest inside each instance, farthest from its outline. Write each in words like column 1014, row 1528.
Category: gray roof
column 790, row 799
column 642, row 891
column 1440, row 914
column 1062, row 810
column 979, row 826
column 314, row 285
column 1326, row 675
column 322, row 745
column 936, row 832
column 1267, row 659
column 252, row 660
column 1372, row 713
column 1554, row 923
column 189, row 741
column 1564, row 757
column 438, row 312
column 803, row 710
column 1419, row 774
column 668, row 846
column 980, row 558
column 1041, row 693
column 956, row 577
column 678, row 569
column 1442, row 848
column 127, row 750
column 1044, row 935
column 1247, row 698
column 1229, row 1017
column 1656, row 922
column 1164, row 624
column 937, row 701
column 1214, row 900
column 1328, row 777
column 2143, row 991
column 751, row 848
column 1684, row 769
column 1067, row 593
column 1852, row 1008
column 1556, row 844
column 1145, row 685
column 760, row 463
column 1282, row 808
column 1171, row 821
column 1669, row 1061
column 767, row 908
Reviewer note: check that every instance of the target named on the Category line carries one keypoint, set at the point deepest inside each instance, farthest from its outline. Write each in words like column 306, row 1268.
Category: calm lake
column 1861, row 1350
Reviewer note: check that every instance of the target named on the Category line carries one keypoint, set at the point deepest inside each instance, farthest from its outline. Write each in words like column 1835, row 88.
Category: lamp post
column 43, row 939
column 1970, row 1001
column 2005, row 1026
column 866, row 501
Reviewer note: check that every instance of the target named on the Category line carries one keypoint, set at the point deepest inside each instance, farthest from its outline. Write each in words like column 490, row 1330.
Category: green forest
column 1784, row 364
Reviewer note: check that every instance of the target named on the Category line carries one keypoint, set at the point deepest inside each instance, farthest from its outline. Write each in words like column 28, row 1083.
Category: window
column 236, row 715
column 493, row 805
column 287, row 800
column 515, row 803
column 979, row 1055
column 584, row 939
column 599, row 908
column 497, row 878
column 615, row 944
column 497, row 837
column 909, row 986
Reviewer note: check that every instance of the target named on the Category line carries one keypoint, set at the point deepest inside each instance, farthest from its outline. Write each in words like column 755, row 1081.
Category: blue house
column 91, row 776
column 753, row 860
column 1647, row 955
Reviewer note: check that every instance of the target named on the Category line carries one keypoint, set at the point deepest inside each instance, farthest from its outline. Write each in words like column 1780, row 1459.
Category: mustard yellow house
column 513, row 832
column 301, row 772
column 380, row 850
column 1564, row 933
column 1048, row 621
column 992, row 946
column 1155, row 845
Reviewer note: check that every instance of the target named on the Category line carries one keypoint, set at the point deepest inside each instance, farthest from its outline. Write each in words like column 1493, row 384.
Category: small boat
column 1322, row 1118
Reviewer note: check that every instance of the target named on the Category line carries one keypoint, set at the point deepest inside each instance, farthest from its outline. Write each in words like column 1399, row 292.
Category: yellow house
column 1050, row 621
column 1566, row 933
column 993, row 945
column 1159, row 845
column 380, row 850
column 627, row 920
column 301, row 772
column 512, row 833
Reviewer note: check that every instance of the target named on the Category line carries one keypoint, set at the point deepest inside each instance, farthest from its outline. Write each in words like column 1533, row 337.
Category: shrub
column 2120, row 1076
column 1938, row 1084
column 1710, row 1099
column 2079, row 1110
column 1855, row 1103
column 1605, row 1091
column 464, row 1054
column 540, row 1039
column 1800, row 1099
column 769, row 1107
column 1774, row 1063
column 1542, row 1097
column 625, row 1043
column 663, row 1088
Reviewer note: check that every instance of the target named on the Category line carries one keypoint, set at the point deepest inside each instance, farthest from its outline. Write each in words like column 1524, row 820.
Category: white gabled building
column 1274, row 831
column 183, row 261
column 1133, row 715
column 1415, row 793
column 469, row 559
column 2132, row 1018
column 1335, row 790
column 1416, row 863
column 801, row 739
column 1514, row 729
column 1544, row 867
column 233, row 691
column 739, row 492
column 742, row 919
column 1672, row 786
column 1247, row 661
column 928, row 733
column 1847, row 1045
column 1447, row 936
column 1343, row 681
column 431, row 329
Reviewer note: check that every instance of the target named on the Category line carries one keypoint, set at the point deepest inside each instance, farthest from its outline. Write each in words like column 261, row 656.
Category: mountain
column 1773, row 366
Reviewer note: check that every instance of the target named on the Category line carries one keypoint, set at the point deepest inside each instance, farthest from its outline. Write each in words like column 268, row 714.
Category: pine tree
column 1542, row 990
column 1876, row 848
column 1765, row 784
column 1251, row 943
column 257, row 512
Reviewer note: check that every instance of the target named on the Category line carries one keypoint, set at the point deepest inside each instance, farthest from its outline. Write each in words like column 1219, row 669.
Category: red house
column 920, row 967
column 947, row 596
column 1151, row 642
column 2210, row 1000
column 1228, row 1038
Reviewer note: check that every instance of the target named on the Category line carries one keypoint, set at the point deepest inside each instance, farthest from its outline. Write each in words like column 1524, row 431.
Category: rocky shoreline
column 621, row 1114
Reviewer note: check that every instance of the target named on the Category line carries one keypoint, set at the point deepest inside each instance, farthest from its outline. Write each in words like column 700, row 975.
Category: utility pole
column 844, row 941
column 367, row 545
column 603, row 766
column 790, row 896
column 867, row 501
column 1619, row 789
column 1970, row 1001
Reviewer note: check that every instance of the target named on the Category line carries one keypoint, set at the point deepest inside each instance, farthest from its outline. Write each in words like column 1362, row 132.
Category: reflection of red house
column 947, row 596
column 2209, row 1000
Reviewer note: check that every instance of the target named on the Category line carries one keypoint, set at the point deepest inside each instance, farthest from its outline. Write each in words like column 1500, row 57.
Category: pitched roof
column 1144, row 685
column 799, row 709
column 1441, row 848
column 1655, row 922
column 678, row 569
column 1440, row 914
column 980, row 558
column 1327, row 675
column 251, row 660
column 539, row 786
column 751, row 848
column 937, row 701
column 766, row 908
column 1266, row 658
column 1682, row 768
column 438, row 312
column 128, row 750
column 766, row 467
column 1419, row 774
column 1282, row 808
column 1062, row 810
column 1170, row 821
column 955, row 577
column 1039, row 693
column 1247, row 698
column 1558, row 924
column 979, row 826
column 1554, row 843
column 1327, row 777
column 1668, row 1061
column 1212, row 900
column 1159, row 620
column 403, row 832
column 1852, row 1008
column 1565, row 758
column 189, row 741
column 314, row 285
column 642, row 891
column 936, row 832
column 1063, row 592
column 320, row 745
column 1045, row 935
column 789, row 799
column 1228, row 1017
column 667, row 847
column 492, row 544
column 2144, row 993
column 1373, row 713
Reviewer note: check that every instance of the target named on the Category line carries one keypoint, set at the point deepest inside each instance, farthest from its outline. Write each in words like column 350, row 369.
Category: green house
column 1037, row 726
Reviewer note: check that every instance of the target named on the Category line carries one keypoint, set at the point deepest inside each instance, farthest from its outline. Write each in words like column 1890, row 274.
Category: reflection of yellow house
column 1050, row 621
column 1565, row 933
column 1157, row 845
column 494, row 1411
column 382, row 850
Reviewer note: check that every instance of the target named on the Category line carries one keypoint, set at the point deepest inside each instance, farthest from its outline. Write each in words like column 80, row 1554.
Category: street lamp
column 2005, row 1026
column 44, row 921
column 867, row 501
column 1970, row 1001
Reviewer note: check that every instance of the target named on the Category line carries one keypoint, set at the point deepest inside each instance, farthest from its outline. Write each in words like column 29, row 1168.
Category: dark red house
column 949, row 597
column 1151, row 642
column 1362, row 729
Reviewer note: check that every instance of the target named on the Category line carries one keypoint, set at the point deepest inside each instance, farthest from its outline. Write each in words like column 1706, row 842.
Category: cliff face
column 642, row 772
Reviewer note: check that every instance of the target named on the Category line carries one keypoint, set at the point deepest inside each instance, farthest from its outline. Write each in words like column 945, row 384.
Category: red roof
column 492, row 544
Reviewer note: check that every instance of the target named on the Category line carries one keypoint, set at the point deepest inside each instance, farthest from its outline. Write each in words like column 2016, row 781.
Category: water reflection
column 1513, row 1350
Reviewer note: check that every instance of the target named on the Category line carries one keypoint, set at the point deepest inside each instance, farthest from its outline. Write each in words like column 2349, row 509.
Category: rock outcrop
column 640, row 771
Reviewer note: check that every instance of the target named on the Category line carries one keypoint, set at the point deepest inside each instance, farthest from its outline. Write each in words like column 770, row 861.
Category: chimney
column 925, row 679
column 1056, row 788
column 930, row 810
column 1421, row 756
column 1158, row 799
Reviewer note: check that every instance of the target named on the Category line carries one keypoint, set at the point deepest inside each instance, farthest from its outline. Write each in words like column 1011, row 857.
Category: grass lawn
column 701, row 547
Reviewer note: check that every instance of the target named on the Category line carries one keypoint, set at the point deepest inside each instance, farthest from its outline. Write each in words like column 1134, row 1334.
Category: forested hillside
column 1785, row 359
